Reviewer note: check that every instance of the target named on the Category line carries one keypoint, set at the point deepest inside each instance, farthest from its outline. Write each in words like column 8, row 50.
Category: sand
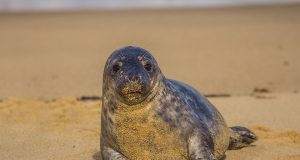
column 246, row 58
column 69, row 129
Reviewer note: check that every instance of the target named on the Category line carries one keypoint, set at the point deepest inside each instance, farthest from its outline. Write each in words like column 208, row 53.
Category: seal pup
column 147, row 116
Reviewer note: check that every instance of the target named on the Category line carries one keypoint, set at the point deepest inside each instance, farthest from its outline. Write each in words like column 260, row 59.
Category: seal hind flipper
column 241, row 137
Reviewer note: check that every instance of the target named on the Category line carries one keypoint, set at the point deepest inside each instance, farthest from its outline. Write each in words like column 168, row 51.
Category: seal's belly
column 141, row 135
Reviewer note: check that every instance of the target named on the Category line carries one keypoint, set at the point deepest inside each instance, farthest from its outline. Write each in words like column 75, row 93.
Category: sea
column 54, row 5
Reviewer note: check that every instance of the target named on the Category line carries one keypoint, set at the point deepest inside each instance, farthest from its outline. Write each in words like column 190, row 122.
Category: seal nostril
column 135, row 78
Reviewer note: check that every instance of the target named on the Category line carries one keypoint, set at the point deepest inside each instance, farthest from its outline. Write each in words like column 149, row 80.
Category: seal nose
column 135, row 78
column 135, row 82
column 135, row 75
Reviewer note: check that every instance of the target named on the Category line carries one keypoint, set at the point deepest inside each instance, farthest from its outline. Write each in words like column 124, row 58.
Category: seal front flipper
column 200, row 147
column 110, row 154
column 241, row 137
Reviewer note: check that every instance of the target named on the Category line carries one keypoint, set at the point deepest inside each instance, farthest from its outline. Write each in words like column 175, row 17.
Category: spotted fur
column 147, row 116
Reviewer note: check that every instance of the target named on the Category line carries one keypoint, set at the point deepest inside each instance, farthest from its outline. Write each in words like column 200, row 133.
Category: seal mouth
column 132, row 89
column 134, row 92
column 132, row 95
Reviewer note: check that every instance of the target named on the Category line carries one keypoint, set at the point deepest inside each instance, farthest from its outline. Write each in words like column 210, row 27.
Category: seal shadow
column 97, row 156
column 223, row 158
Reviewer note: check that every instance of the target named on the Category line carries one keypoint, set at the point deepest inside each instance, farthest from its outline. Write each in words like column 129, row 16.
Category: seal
column 148, row 116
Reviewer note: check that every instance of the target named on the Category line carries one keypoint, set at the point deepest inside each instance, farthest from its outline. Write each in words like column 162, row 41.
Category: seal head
column 132, row 74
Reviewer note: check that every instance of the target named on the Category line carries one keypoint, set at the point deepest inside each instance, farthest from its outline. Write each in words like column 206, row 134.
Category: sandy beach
column 69, row 129
column 245, row 59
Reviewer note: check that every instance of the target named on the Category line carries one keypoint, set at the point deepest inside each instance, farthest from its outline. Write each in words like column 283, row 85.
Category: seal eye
column 116, row 68
column 148, row 67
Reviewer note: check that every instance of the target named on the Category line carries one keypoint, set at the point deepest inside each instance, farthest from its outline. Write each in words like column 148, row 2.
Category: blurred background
column 233, row 47
column 41, row 5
